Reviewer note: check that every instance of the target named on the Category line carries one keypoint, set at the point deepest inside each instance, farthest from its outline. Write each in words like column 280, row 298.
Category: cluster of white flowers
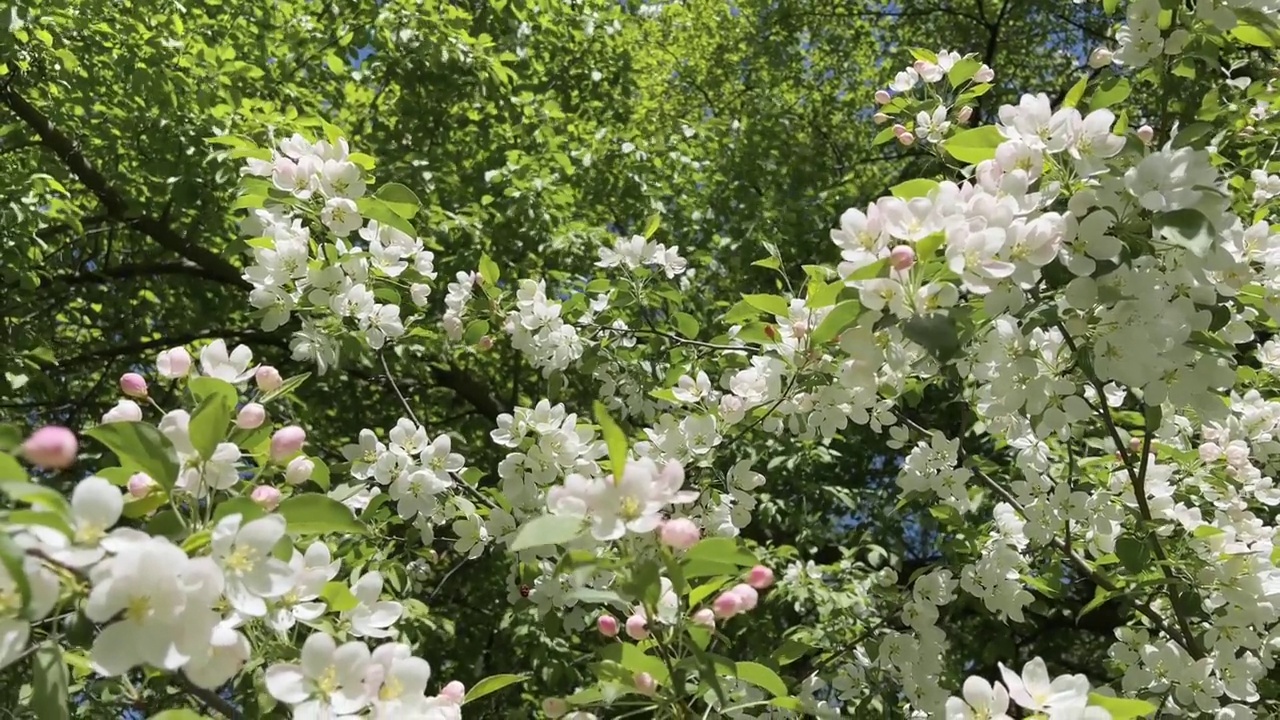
column 935, row 120
column 347, row 280
column 1060, row 698
column 537, row 329
column 637, row 251
column 549, row 443
column 633, row 503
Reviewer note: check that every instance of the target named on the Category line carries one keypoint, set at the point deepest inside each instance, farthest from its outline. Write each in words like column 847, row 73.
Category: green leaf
column 935, row 332
column 769, row 263
column 1122, row 708
column 208, row 425
column 35, row 495
column 320, row 473
column 49, row 683
column 492, row 684
column 772, row 304
column 489, row 271
column 762, row 677
column 614, row 438
column 476, row 329
column 12, row 557
column 1134, row 554
column 721, row 550
column 400, row 199
column 631, row 657
column 179, row 714
column 366, row 162
column 1112, row 91
column 547, row 530
column 375, row 209
column 651, row 225
column 963, row 71
column 1101, row 597
column 334, row 63
column 314, row 514
column 245, row 507
column 1251, row 35
column 204, row 387
column 10, row 437
column 1207, row 531
column 841, row 316
column 11, row 470
column 338, row 597
column 686, row 324
column 1109, row 6
column 1076, row 93
column 974, row 145
column 790, row 651
column 286, row 387
column 1187, row 228
column 919, row 187
column 142, row 446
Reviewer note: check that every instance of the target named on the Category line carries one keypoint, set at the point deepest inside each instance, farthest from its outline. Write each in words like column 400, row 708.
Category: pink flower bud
column 965, row 113
column 880, row 118
column 268, row 378
column 140, row 485
column 984, row 75
column 645, row 683
column 1100, row 58
column 133, row 385
column 266, row 496
column 922, row 66
column 705, row 617
column 251, row 416
column 899, row 130
column 299, row 470
column 485, row 343
column 906, row 139
column 726, row 605
column 1135, row 444
column 760, row 577
column 287, row 442
column 607, row 625
column 51, row 447
column 174, row 363
column 554, row 707
column 455, row 691
column 1146, row 134
column 747, row 596
column 882, row 97
column 902, row 257
column 637, row 628
column 680, row 534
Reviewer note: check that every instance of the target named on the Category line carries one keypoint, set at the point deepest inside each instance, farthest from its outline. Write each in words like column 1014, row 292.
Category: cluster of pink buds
column 915, row 106
column 738, row 599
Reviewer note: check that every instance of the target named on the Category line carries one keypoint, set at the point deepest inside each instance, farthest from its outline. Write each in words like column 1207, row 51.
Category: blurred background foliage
column 533, row 131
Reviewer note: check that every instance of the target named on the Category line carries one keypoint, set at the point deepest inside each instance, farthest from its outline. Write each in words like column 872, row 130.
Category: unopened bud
column 251, row 417
column 902, row 257
column 906, row 138
column 133, row 385
column 607, row 625
column 554, row 707
column 268, row 378
column 299, row 470
column 645, row 683
column 760, row 577
column 727, row 605
column 1146, row 134
column 882, row 97
column 880, row 118
column 51, row 447
column 140, row 485
column 1100, row 58
column 287, row 442
column 267, row 497
column 455, row 691
column 485, row 343
column 965, row 113
column 637, row 628
column 704, row 617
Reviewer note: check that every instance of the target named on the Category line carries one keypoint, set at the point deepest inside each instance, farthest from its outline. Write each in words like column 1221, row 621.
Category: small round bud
column 637, row 628
column 880, row 118
column 251, row 417
column 299, row 470
column 1135, row 444
column 554, row 707
column 899, row 129
column 140, row 485
column 51, row 447
column 174, row 363
column 906, row 139
column 882, row 97
column 268, row 378
column 455, row 691
column 485, row 343
column 726, row 605
column 133, row 385
column 645, row 683
column 680, row 534
column 984, row 75
column 748, row 598
column 607, row 625
column 965, row 113
column 287, row 442
column 1100, row 58
column 705, row 617
column 1146, row 134
column 902, row 257
column 266, row 496
column 760, row 577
